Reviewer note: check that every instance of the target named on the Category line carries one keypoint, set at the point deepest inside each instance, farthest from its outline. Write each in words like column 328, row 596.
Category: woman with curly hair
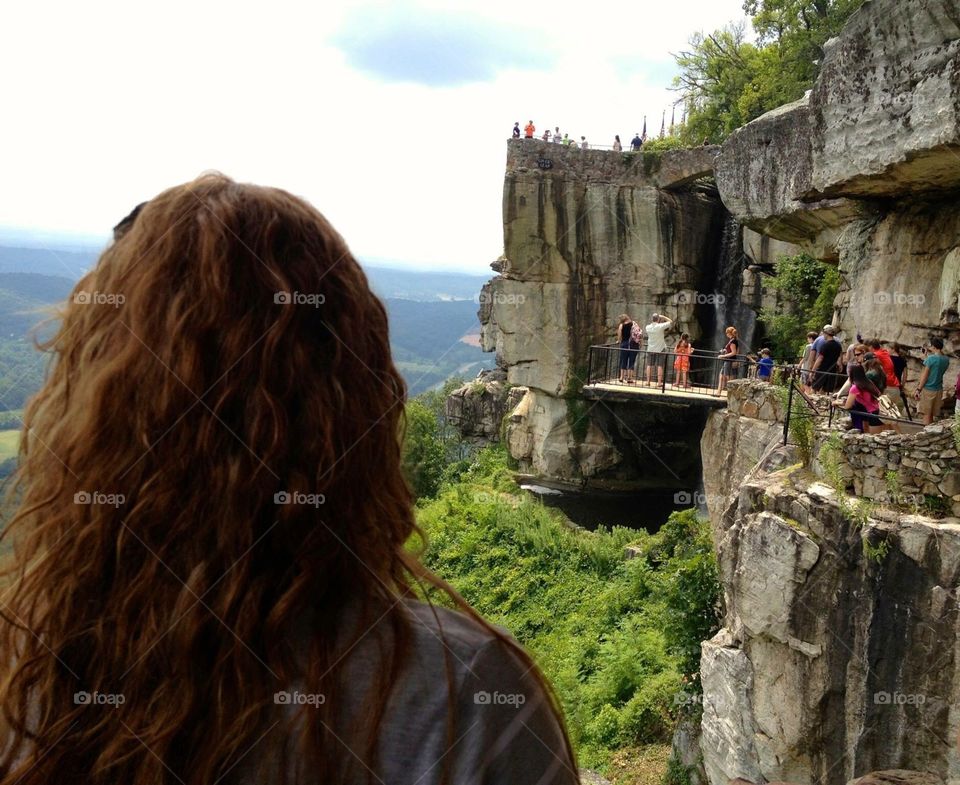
column 206, row 576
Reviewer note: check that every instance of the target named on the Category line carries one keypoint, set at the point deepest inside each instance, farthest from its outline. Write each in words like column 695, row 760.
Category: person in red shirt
column 529, row 129
column 893, row 383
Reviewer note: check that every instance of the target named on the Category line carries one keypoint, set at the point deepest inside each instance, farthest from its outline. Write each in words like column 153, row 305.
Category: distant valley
column 433, row 318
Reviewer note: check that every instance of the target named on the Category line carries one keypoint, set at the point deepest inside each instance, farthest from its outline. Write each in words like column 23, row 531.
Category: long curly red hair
column 225, row 349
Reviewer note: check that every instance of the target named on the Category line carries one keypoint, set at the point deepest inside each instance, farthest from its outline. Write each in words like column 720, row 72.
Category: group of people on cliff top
column 630, row 337
column 872, row 378
column 554, row 136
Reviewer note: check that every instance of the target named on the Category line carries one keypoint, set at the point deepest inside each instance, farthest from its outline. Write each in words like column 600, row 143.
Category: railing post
column 786, row 419
column 663, row 386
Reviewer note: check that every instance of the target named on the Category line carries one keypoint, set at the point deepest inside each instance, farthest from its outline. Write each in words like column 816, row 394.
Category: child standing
column 681, row 365
column 765, row 366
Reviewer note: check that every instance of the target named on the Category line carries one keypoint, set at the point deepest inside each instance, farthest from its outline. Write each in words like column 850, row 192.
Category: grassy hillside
column 25, row 300
column 618, row 638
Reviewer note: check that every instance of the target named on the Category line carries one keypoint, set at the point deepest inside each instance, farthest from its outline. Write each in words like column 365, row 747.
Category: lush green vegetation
column 618, row 638
column 727, row 81
column 9, row 442
column 808, row 287
column 25, row 301
column 433, row 450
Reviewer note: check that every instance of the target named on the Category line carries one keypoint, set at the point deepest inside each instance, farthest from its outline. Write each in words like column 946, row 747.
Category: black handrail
column 796, row 393
column 647, row 369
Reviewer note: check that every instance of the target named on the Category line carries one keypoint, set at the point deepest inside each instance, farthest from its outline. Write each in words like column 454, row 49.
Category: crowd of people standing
column 871, row 378
column 656, row 355
column 867, row 378
column 529, row 132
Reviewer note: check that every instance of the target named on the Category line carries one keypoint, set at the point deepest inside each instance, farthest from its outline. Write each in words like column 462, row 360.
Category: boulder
column 886, row 106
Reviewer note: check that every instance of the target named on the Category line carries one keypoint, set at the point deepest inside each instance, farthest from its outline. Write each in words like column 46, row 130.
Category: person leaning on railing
column 729, row 357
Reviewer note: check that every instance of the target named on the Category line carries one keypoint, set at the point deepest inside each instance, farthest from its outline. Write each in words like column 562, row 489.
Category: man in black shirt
column 636, row 143
column 828, row 353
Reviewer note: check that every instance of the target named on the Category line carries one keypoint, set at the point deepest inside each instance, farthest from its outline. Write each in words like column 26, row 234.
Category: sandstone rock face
column 900, row 277
column 589, row 235
column 622, row 446
column 897, row 777
column 764, row 171
column 864, row 171
column 836, row 658
column 477, row 408
column 765, row 250
column 538, row 435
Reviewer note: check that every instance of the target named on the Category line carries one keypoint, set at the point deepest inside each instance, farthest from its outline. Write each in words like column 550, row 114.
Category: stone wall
column 903, row 469
column 755, row 399
column 735, row 439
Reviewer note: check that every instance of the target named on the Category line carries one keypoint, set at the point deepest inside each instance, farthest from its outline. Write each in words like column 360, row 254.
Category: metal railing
column 800, row 404
column 641, row 368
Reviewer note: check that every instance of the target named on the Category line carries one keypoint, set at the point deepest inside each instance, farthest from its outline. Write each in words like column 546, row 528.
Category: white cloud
column 109, row 103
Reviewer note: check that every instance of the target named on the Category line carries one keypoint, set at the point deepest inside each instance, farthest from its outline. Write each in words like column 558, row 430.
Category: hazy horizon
column 52, row 240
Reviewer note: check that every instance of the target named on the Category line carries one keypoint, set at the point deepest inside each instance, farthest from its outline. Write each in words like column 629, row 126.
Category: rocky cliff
column 840, row 650
column 589, row 235
column 865, row 169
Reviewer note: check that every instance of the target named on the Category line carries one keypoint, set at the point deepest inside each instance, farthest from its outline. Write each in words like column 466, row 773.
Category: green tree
column 726, row 81
column 714, row 74
column 809, row 287
column 423, row 450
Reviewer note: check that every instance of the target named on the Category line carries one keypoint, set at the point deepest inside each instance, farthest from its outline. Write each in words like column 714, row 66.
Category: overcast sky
column 390, row 117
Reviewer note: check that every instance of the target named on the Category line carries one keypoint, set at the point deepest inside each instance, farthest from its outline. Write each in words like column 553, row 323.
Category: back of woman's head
column 224, row 356
column 213, row 458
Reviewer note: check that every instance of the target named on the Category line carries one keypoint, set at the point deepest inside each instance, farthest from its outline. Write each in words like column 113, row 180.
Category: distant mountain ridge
column 429, row 313
column 387, row 282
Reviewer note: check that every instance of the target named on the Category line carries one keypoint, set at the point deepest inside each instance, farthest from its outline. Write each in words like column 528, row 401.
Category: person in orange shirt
column 529, row 129
column 892, row 390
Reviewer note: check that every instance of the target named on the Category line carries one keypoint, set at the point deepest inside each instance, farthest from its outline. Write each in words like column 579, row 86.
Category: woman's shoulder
column 461, row 632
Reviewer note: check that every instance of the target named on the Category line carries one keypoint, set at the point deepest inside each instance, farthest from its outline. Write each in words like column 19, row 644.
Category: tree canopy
column 726, row 80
